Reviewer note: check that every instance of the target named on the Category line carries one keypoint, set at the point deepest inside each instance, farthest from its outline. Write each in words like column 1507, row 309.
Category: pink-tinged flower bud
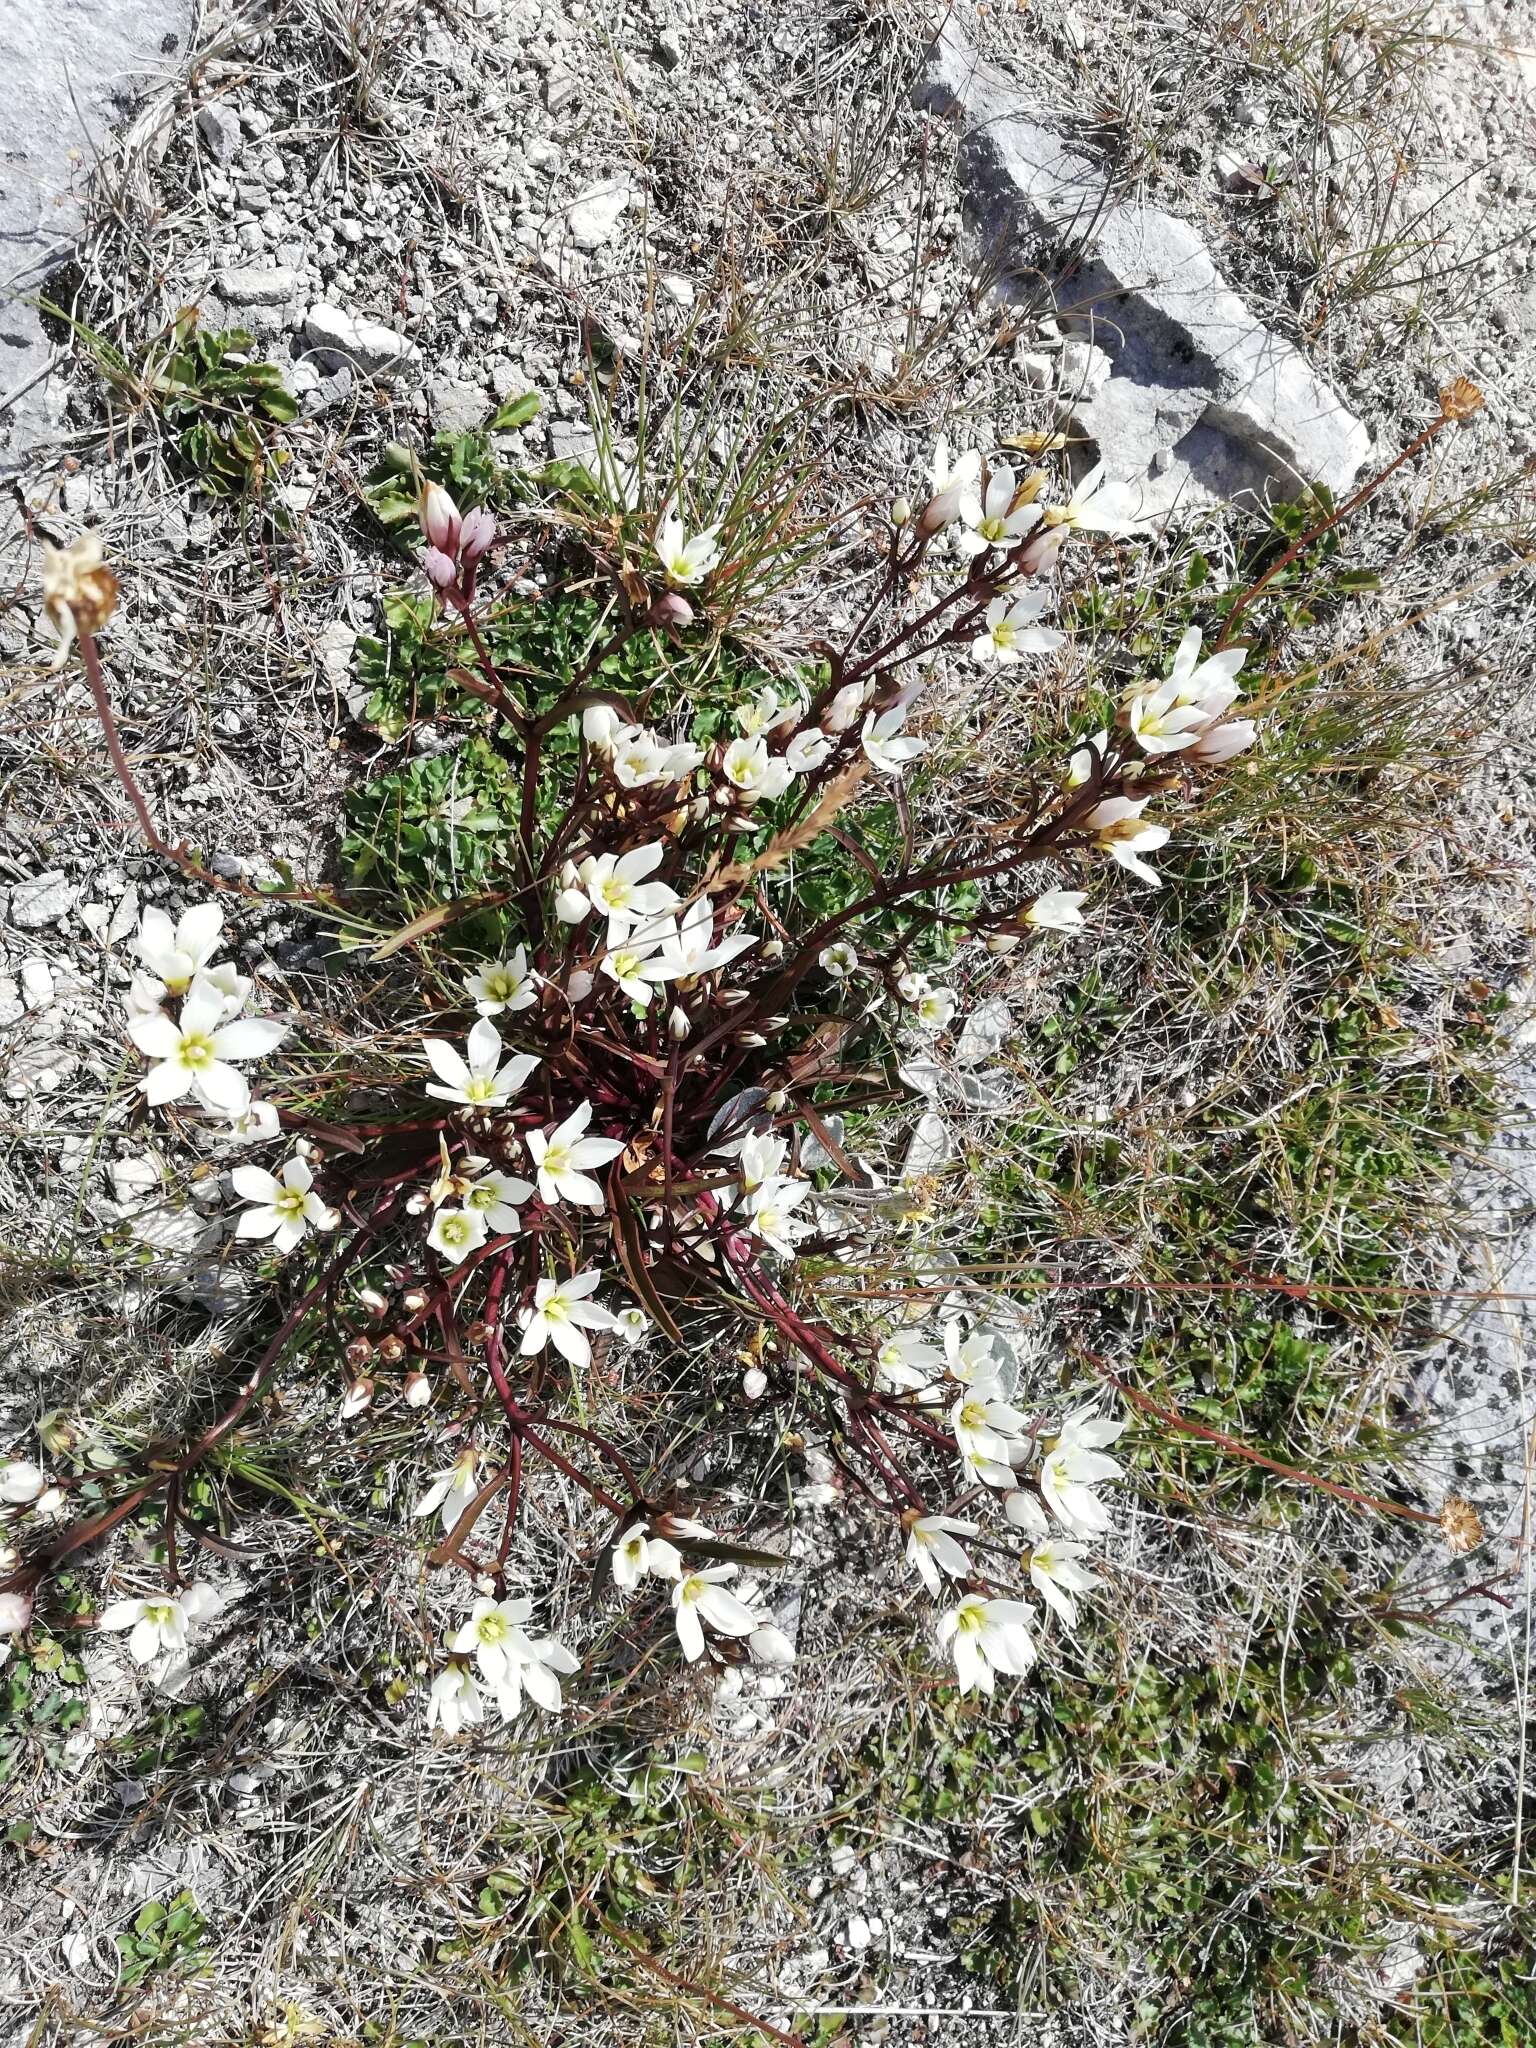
column 1039, row 557
column 442, row 570
column 418, row 1390
column 670, row 609
column 678, row 1025
column 476, row 535
column 15, row 1613
column 1220, row 742
column 942, row 508
column 439, row 518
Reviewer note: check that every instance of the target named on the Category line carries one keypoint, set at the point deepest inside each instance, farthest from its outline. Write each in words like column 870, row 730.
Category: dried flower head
column 79, row 591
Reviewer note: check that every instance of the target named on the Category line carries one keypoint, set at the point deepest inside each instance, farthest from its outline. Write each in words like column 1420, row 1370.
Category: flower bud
column 413, row 1301
column 418, row 1204
column 21, row 1481
column 670, row 609
column 371, row 1299
column 476, row 1333
column 1002, row 942
column 580, row 985
column 15, row 1613
column 754, row 1383
column 571, row 906
column 678, row 1025
column 476, row 536
column 770, row 1645
column 418, row 1390
column 901, row 512
column 442, row 570
column 356, row 1399
column 1039, row 556
column 771, row 949
column 439, row 516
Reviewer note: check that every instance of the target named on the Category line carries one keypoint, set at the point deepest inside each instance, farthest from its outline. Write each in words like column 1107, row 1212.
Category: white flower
column 1085, row 759
column 449, row 1493
column 1096, row 507
column 357, row 1397
column 1210, row 683
column 614, row 885
column 1219, row 743
column 759, row 1156
column 763, row 712
column 1057, row 910
column 970, row 1358
column 1160, row 725
column 907, row 1363
column 685, row 560
column 637, row 758
column 1074, row 1466
column 255, row 1125
column 838, row 960
column 562, row 1314
column 807, row 751
column 749, row 767
column 952, row 482
column 21, row 1481
column 1120, row 832
column 688, row 947
column 988, row 518
column 160, row 1624
column 15, row 1615
column 483, row 1082
column 561, row 1154
column 1056, row 1575
column 641, row 1552
column 768, row 1213
column 454, row 1701
column 987, row 1637
column 285, row 1204
column 536, row 1669
column 175, row 953
column 700, row 1596
column 934, row 1008
column 1026, row 1513
column 912, row 986
column 1012, row 632
column 986, row 1428
column 886, row 747
column 456, row 1233
column 627, row 963
column 601, row 726
column 194, row 1054
column 493, row 1635
column 932, row 1549
column 503, row 985
column 496, row 1197
column 632, row 1324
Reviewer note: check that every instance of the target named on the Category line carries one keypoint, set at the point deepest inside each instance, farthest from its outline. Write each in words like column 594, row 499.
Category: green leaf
column 514, row 412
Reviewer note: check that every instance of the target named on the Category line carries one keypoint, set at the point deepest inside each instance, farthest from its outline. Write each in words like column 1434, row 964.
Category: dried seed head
column 1459, row 1525
column 1461, row 401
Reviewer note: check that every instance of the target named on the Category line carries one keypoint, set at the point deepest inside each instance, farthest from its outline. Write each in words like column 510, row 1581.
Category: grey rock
column 594, row 214
column 219, row 126
column 571, row 441
column 67, row 73
column 347, row 339
column 1242, row 411
column 42, row 901
column 668, row 48
column 1038, row 371
column 457, row 408
column 256, row 287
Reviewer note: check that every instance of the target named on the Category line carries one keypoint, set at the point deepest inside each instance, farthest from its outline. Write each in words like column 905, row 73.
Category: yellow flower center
column 992, row 529
column 196, row 1050
column 289, row 1204
column 491, row 1628
column 161, row 1613
column 480, row 1088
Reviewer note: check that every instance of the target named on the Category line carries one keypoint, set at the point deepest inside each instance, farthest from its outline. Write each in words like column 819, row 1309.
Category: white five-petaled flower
column 932, row 1549
column 1057, row 910
column 808, row 750
column 1073, row 1467
column 1056, row 1575
column 952, row 482
column 934, row 1008
column 987, row 1428
column 484, row 1081
column 561, row 1315
column 285, row 1205
column 1117, row 825
column 455, row 1233
column 641, row 1552
column 970, row 1356
column 627, row 962
column 906, row 1363
column 988, row 519
column 493, row 1636
column 838, row 960
column 496, row 1196
column 631, row 1324
column 454, row 1701
column 561, row 1155
column 759, row 1156
column 160, row 1623
column 700, row 1596
column 174, row 953
column 686, row 559
column 503, row 985
column 768, row 1213
column 194, row 1054
column 449, row 1493
column 1096, row 506
column 615, row 885
column 986, row 1637
column 1012, row 632
column 689, row 948
column 886, row 747
column 753, row 772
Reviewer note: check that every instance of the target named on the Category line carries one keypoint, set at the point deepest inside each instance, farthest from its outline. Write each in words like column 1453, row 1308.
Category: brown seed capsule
column 413, row 1301
column 477, row 1332
column 391, row 1349
column 358, row 1352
